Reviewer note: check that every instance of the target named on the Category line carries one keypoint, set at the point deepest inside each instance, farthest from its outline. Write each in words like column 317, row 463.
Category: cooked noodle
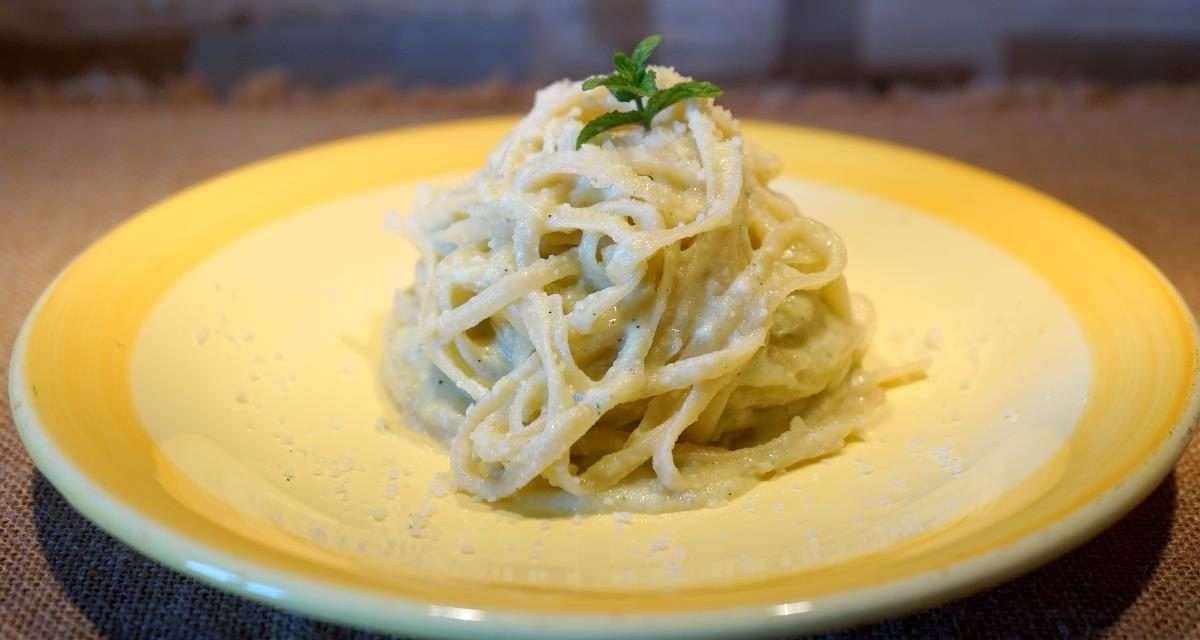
column 640, row 323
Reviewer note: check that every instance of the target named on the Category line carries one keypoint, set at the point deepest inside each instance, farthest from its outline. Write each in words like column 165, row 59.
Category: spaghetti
column 639, row 324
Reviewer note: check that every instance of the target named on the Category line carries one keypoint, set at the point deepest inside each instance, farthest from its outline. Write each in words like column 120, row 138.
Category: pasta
column 637, row 324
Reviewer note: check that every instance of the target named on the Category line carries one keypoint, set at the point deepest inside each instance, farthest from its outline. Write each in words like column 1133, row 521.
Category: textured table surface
column 68, row 173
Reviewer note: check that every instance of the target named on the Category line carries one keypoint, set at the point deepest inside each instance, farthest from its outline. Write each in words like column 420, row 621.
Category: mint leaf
column 622, row 88
column 649, row 82
column 625, row 65
column 598, row 81
column 682, row 91
column 642, row 52
column 610, row 120
column 633, row 82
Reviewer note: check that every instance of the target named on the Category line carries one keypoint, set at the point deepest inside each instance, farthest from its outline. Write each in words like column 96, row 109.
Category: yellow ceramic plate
column 202, row 384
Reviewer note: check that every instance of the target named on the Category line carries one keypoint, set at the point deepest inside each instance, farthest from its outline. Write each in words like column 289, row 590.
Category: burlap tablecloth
column 67, row 174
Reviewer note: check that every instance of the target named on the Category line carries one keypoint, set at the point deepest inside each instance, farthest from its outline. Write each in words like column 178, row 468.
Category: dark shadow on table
column 128, row 596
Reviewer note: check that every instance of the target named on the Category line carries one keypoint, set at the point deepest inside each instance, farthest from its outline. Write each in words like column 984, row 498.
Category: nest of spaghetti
column 640, row 324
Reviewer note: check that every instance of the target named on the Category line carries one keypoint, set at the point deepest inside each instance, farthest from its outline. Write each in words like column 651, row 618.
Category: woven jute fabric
column 68, row 173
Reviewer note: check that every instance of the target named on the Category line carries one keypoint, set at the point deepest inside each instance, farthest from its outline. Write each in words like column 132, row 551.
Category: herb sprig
column 632, row 82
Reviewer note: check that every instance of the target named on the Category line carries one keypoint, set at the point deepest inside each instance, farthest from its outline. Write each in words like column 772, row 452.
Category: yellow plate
column 202, row 384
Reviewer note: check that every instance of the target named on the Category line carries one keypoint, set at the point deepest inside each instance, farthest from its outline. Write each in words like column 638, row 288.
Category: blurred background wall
column 875, row 44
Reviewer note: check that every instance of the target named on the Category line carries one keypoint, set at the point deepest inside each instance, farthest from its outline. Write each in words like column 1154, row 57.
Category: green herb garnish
column 633, row 82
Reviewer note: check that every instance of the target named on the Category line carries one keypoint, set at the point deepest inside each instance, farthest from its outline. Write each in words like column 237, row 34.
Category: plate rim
column 365, row 609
